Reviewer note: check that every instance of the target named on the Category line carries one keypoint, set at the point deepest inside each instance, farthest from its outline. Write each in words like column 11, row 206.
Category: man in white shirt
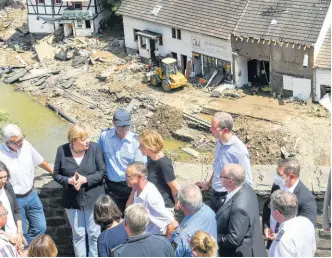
column 288, row 179
column 161, row 219
column 296, row 237
column 21, row 158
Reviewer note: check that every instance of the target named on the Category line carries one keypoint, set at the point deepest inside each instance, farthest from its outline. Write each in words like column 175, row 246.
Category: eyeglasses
column 18, row 142
column 130, row 177
column 4, row 213
column 226, row 177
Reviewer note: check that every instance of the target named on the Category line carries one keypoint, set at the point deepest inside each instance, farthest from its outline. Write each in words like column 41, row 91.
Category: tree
column 112, row 5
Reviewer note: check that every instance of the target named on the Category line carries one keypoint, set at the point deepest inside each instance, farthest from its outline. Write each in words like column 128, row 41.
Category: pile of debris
column 166, row 120
column 265, row 146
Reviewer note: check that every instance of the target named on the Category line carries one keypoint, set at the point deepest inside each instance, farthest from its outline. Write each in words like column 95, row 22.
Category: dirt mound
column 165, row 120
column 264, row 144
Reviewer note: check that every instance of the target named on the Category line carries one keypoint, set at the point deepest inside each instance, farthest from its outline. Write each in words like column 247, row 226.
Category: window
column 176, row 33
column 88, row 24
column 178, row 36
column 77, row 6
column 135, row 36
column 160, row 39
column 175, row 55
column 173, row 33
column 79, row 24
column 58, row 1
column 40, row 1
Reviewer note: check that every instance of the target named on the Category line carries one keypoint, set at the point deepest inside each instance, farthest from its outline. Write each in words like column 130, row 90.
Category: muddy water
column 41, row 126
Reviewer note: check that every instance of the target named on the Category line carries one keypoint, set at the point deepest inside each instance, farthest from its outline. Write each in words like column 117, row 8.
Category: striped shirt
column 6, row 248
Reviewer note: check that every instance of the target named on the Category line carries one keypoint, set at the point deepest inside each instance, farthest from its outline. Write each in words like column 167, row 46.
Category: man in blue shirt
column 120, row 148
column 198, row 216
column 230, row 149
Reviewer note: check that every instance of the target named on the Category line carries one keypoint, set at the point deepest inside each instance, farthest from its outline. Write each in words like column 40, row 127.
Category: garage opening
column 258, row 72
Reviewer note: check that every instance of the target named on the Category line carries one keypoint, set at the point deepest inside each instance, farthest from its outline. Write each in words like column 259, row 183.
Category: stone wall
column 59, row 229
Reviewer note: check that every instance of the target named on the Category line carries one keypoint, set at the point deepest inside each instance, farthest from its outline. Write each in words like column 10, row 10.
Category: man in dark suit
column 238, row 224
column 288, row 173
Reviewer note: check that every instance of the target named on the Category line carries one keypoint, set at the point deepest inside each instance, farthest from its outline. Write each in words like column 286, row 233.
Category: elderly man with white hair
column 198, row 216
column 21, row 158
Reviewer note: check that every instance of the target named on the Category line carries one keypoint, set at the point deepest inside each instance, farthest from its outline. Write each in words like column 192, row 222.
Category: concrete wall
column 204, row 44
column 321, row 77
column 241, row 70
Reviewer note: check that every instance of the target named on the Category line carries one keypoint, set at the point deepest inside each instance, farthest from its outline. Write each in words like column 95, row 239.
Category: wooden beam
column 247, row 39
column 263, row 42
column 293, row 45
column 299, row 46
column 269, row 42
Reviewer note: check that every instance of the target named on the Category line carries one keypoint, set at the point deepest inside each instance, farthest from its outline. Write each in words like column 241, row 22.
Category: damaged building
column 322, row 68
column 77, row 18
column 196, row 33
column 276, row 43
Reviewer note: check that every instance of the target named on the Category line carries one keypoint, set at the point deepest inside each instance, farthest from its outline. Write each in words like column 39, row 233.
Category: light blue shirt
column 234, row 151
column 204, row 219
column 118, row 153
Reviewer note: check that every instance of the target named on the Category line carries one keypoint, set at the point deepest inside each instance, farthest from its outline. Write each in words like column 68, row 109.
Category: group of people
column 120, row 195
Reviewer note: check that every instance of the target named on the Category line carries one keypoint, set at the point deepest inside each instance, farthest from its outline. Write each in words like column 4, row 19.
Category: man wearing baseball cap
column 120, row 148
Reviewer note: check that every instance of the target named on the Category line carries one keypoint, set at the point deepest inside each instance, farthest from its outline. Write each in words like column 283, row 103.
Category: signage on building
column 77, row 14
column 215, row 48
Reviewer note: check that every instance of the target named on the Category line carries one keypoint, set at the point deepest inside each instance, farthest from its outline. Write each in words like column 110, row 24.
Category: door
column 183, row 63
column 152, row 49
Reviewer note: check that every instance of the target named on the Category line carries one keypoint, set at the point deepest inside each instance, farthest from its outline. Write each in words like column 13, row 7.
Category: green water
column 41, row 126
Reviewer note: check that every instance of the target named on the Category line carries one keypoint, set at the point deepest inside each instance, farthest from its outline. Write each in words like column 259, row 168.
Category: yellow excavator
column 168, row 75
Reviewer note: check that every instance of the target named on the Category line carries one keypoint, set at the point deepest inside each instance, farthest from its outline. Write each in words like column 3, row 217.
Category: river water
column 41, row 126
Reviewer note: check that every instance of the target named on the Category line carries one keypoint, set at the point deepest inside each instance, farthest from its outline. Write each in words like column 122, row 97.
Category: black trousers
column 119, row 191
column 217, row 199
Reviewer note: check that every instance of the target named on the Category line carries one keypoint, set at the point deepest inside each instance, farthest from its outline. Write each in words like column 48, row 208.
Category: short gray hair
column 235, row 172
column 190, row 197
column 137, row 218
column 225, row 120
column 139, row 168
column 290, row 165
column 285, row 202
column 9, row 131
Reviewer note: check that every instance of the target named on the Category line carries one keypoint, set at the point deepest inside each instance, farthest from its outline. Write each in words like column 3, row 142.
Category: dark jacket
column 13, row 201
column 145, row 245
column 238, row 226
column 307, row 204
column 92, row 167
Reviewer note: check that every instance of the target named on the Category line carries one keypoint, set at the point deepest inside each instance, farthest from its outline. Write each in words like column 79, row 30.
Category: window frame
column 135, row 35
column 173, row 33
column 178, row 34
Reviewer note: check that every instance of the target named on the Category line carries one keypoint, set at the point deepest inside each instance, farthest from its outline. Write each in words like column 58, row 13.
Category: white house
column 186, row 30
column 322, row 68
column 78, row 18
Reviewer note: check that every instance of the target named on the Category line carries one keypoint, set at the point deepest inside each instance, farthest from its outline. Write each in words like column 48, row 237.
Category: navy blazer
column 307, row 204
column 92, row 167
column 238, row 226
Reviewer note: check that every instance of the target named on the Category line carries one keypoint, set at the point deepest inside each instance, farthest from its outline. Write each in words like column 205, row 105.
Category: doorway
column 258, row 72
column 152, row 49
column 183, row 63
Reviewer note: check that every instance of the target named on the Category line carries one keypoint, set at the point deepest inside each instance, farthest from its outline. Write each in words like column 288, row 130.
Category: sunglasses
column 17, row 143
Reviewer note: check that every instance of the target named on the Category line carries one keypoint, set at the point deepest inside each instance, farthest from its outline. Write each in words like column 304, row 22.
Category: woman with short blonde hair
column 160, row 168
column 203, row 244
column 42, row 246
column 80, row 168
